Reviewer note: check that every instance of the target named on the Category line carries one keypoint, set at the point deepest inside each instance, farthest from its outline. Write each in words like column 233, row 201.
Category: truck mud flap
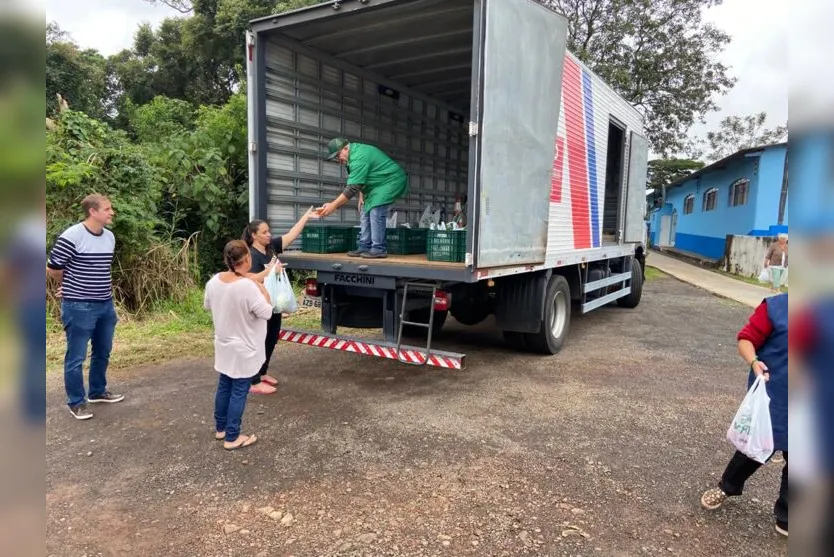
column 375, row 348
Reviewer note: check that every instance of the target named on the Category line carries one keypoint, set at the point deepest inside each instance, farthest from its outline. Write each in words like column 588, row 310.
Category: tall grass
column 165, row 273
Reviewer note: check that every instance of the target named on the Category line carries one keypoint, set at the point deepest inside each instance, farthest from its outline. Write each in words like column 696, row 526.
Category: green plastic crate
column 406, row 241
column 446, row 245
column 326, row 239
column 353, row 240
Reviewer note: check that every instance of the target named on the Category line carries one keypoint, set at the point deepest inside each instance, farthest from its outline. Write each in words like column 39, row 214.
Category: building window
column 689, row 204
column 739, row 191
column 710, row 199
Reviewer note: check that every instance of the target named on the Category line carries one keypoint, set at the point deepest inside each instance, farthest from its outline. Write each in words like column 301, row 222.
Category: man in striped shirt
column 81, row 263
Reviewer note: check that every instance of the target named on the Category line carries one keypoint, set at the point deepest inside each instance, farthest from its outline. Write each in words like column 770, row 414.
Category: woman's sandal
column 269, row 380
column 713, row 498
column 241, row 441
column 220, row 435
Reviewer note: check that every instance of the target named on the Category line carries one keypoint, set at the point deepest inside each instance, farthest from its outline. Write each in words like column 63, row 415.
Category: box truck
column 479, row 101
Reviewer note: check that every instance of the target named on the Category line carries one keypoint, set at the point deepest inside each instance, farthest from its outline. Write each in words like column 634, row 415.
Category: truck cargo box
column 477, row 100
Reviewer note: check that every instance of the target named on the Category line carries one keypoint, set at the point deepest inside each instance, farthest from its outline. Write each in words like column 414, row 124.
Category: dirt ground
column 601, row 450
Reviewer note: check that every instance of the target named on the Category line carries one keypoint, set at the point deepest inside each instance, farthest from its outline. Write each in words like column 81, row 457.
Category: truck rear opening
column 477, row 100
column 393, row 74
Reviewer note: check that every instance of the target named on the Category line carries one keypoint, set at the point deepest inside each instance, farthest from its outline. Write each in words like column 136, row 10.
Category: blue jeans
column 372, row 230
column 87, row 323
column 229, row 403
column 31, row 314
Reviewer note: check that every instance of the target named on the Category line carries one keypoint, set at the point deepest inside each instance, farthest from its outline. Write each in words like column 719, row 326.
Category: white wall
column 746, row 254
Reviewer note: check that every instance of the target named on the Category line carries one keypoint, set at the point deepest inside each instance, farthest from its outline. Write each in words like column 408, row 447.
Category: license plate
column 310, row 302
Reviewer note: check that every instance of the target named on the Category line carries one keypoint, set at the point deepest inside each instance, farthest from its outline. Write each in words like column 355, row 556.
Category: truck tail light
column 441, row 301
column 312, row 288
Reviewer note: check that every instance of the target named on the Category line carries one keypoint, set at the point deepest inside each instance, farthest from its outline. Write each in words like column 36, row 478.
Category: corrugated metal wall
column 309, row 102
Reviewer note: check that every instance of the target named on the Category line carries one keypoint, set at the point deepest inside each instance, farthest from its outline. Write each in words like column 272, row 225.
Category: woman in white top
column 240, row 308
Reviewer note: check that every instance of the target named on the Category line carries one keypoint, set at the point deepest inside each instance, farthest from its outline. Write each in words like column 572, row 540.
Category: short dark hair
column 92, row 201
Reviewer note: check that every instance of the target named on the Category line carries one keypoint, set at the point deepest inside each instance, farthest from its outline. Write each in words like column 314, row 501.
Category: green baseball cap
column 336, row 144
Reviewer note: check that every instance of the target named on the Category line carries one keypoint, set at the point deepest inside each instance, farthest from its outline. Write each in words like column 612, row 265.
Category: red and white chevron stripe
column 376, row 349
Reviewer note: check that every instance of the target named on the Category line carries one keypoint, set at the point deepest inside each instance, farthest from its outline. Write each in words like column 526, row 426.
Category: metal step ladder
column 432, row 287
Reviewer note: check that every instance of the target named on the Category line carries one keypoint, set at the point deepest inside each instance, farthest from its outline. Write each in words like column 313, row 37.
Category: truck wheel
column 422, row 316
column 633, row 299
column 516, row 340
column 556, row 323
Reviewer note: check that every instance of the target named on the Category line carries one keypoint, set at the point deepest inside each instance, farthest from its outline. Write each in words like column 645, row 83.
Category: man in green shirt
column 378, row 180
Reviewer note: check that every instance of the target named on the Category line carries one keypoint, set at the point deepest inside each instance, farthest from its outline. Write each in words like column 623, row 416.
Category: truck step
column 375, row 348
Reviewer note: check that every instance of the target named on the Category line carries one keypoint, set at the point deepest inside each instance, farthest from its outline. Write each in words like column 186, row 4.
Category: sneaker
column 262, row 389
column 107, row 396
column 713, row 498
column 80, row 412
column 782, row 529
column 356, row 253
column 374, row 255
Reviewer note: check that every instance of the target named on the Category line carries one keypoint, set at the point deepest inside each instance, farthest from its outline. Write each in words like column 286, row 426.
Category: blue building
column 743, row 194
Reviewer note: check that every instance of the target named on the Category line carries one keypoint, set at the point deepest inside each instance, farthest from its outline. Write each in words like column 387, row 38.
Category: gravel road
column 601, row 450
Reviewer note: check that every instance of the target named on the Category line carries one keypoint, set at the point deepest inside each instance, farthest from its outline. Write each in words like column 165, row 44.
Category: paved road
column 742, row 292
column 601, row 450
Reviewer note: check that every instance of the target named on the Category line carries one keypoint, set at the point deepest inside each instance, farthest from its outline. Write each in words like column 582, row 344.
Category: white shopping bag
column 764, row 276
column 751, row 431
column 280, row 292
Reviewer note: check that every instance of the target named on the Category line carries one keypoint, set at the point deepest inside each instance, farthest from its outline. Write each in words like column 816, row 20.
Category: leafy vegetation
column 735, row 133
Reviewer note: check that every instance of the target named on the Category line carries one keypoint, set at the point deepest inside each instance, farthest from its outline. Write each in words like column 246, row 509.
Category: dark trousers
column 739, row 470
column 273, row 327
column 229, row 404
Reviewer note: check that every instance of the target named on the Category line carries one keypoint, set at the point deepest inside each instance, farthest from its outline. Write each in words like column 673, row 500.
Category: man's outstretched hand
column 325, row 210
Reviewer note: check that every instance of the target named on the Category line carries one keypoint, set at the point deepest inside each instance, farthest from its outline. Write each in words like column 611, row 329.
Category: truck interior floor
column 419, row 259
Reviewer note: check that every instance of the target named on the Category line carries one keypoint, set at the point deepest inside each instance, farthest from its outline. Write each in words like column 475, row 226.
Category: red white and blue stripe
column 575, row 165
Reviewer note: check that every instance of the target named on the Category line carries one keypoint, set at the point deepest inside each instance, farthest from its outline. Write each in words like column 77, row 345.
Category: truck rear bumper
column 376, row 348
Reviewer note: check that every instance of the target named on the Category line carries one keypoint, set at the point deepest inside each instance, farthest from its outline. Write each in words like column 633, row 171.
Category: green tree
column 80, row 76
column 658, row 54
column 662, row 172
column 161, row 118
column 735, row 133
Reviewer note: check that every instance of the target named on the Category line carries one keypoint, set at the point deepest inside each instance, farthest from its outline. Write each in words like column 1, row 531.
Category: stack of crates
column 406, row 241
column 327, row 239
column 446, row 245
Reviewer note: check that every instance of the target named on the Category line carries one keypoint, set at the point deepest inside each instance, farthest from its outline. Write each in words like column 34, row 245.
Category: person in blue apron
column 812, row 351
column 763, row 344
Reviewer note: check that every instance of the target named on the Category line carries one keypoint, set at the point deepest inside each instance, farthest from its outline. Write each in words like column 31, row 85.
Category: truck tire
column 516, row 340
column 633, row 299
column 422, row 316
column 554, row 327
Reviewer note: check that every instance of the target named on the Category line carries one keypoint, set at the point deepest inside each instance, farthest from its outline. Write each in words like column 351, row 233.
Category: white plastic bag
column 764, row 276
column 280, row 292
column 425, row 220
column 391, row 222
column 751, row 431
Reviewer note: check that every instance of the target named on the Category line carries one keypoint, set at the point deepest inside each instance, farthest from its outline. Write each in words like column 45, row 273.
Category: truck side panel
column 578, row 201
